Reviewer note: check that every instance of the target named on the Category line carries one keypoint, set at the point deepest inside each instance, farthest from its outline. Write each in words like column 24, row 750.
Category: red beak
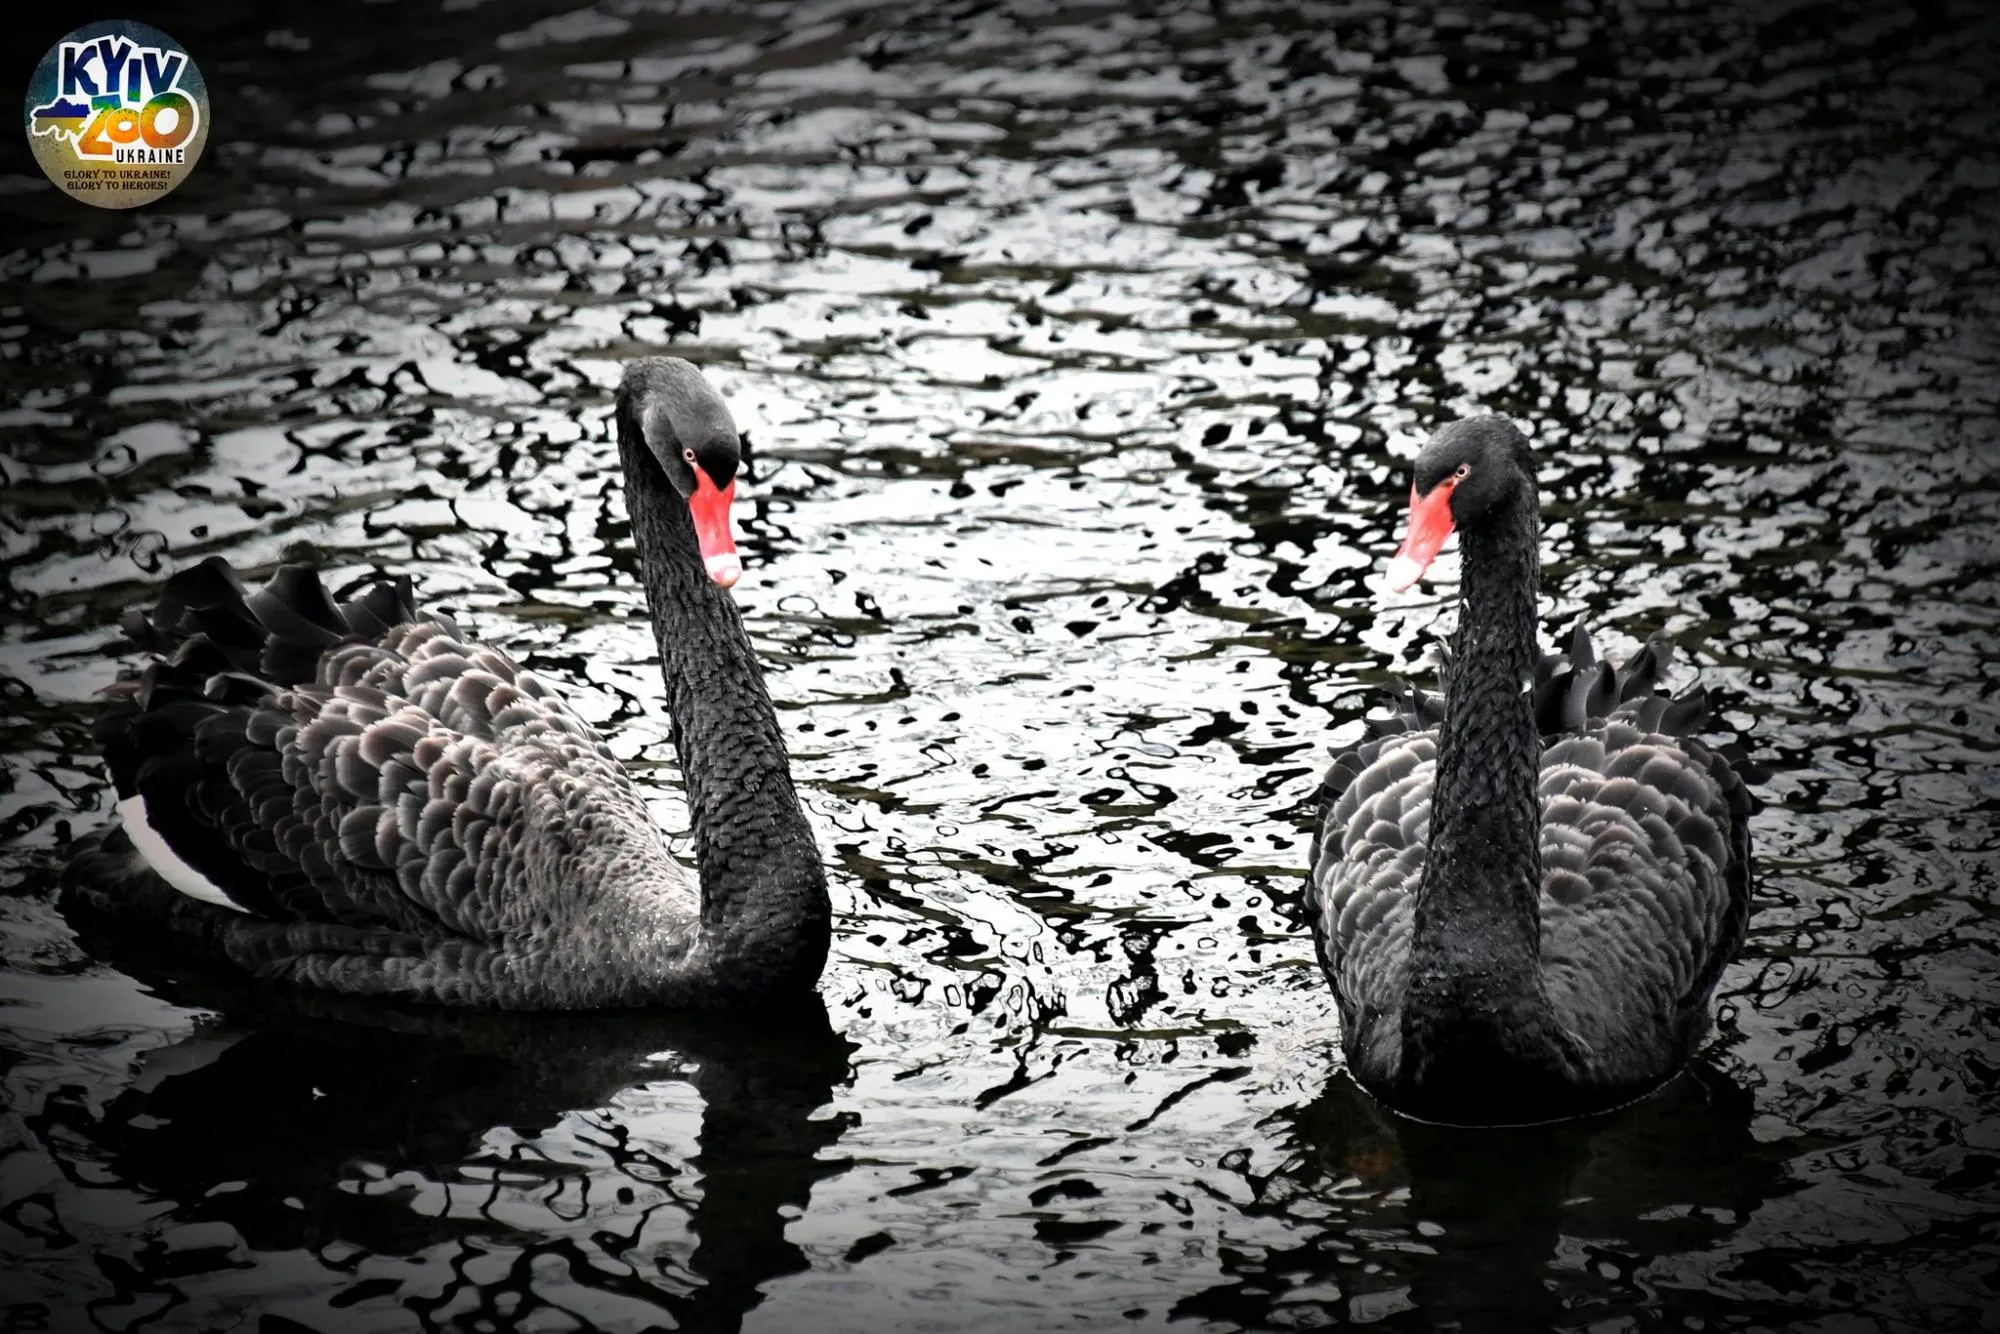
column 709, row 508
column 1430, row 525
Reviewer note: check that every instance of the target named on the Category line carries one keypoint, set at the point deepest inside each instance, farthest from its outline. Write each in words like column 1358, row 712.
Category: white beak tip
column 1402, row 573
column 725, row 568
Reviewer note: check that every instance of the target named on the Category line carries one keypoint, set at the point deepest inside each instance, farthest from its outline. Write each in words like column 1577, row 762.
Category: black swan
column 1524, row 894
column 352, row 796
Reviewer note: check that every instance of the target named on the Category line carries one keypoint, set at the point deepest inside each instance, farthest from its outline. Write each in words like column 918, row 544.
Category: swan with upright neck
column 1525, row 894
column 352, row 795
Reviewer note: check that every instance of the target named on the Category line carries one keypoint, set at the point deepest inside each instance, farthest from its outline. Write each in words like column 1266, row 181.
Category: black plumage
column 353, row 796
column 1524, row 892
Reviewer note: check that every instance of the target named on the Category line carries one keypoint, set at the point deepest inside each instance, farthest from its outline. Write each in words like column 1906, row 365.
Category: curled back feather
column 1574, row 691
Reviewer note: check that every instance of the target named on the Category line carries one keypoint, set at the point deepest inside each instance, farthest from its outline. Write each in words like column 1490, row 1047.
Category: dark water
column 1079, row 350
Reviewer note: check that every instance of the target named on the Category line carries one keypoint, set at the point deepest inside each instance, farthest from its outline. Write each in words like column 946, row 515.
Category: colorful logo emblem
column 117, row 114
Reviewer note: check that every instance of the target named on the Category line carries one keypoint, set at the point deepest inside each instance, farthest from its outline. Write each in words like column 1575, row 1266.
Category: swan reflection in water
column 1426, row 1227
column 455, row 1163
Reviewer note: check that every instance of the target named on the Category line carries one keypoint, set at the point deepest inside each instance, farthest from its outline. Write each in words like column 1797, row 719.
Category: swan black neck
column 764, row 904
column 1477, row 1014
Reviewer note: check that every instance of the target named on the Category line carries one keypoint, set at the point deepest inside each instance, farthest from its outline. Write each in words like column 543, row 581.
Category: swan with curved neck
column 1523, row 895
column 354, row 796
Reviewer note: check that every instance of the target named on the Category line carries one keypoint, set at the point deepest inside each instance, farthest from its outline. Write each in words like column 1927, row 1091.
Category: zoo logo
column 117, row 114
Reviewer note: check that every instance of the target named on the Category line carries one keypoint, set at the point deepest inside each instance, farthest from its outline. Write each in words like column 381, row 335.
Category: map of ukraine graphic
column 61, row 117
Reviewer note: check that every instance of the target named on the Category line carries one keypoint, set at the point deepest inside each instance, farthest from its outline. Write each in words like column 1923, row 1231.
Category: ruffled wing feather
column 359, row 764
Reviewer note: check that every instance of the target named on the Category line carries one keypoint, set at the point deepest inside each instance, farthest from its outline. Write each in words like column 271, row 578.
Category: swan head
column 687, row 428
column 1469, row 470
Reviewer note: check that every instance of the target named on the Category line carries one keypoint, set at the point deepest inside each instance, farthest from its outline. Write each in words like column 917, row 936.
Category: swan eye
column 688, row 454
column 1464, row 471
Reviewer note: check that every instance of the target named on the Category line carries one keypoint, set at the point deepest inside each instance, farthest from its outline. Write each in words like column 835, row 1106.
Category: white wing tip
column 170, row 868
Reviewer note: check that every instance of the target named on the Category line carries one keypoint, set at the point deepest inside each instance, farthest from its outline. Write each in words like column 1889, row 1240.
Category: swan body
column 1524, row 893
column 354, row 796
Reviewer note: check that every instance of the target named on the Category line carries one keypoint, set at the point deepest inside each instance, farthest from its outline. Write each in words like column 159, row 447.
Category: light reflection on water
column 1078, row 352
